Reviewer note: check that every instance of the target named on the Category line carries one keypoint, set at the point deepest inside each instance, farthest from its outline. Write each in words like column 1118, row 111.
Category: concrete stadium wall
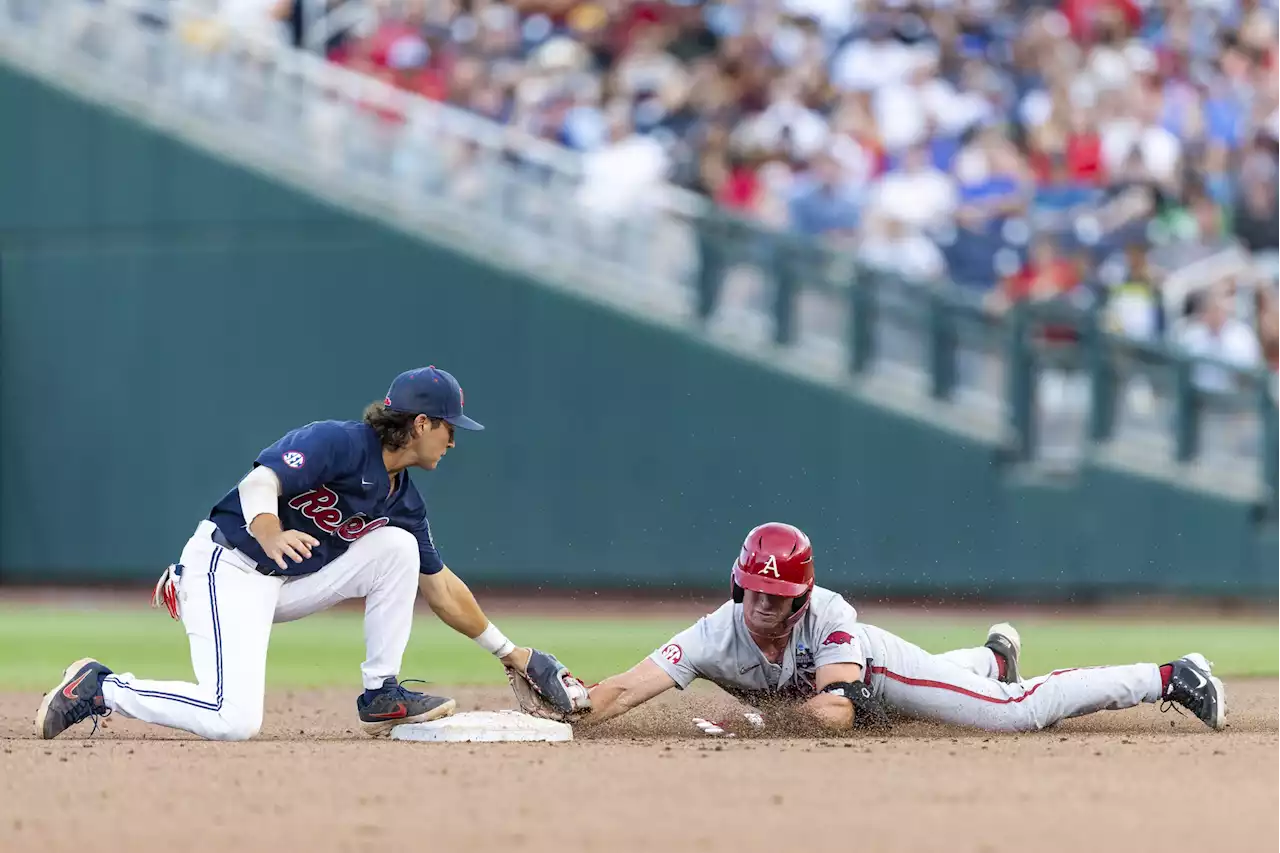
column 164, row 315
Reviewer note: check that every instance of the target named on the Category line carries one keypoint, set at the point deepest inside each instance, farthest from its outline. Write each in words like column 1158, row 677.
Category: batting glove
column 715, row 729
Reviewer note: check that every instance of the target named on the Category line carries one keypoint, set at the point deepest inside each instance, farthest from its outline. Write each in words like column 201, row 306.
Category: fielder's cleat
column 1193, row 686
column 76, row 698
column 392, row 705
column 1006, row 644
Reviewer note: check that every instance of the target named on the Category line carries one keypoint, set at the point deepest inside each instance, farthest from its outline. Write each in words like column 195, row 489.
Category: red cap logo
column 771, row 567
column 838, row 638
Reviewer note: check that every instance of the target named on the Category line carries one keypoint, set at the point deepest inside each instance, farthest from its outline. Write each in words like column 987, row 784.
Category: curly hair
column 394, row 428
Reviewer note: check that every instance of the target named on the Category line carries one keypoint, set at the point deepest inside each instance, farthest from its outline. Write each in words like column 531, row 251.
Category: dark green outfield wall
column 165, row 315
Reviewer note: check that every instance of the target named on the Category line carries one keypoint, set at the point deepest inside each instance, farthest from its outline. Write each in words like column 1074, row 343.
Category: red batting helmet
column 776, row 559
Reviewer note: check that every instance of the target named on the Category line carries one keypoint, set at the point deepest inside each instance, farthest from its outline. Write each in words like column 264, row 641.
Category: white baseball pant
column 960, row 687
column 228, row 608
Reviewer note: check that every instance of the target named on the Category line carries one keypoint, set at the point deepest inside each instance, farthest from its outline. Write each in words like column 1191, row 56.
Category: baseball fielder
column 785, row 644
column 327, row 513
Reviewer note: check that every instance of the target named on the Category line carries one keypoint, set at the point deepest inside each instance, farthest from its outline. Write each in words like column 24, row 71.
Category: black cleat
column 76, row 698
column 1193, row 686
column 1005, row 643
column 392, row 705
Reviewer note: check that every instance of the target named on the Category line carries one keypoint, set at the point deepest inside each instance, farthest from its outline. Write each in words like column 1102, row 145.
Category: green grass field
column 37, row 642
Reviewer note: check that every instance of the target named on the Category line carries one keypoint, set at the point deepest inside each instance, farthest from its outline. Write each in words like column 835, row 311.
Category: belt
column 262, row 568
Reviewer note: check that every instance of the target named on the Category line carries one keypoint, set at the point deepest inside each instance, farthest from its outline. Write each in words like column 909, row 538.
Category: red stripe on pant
column 942, row 685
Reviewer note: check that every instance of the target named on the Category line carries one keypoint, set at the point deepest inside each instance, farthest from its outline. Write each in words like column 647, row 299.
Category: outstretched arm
column 823, row 711
column 620, row 693
column 541, row 683
column 452, row 600
column 829, row 710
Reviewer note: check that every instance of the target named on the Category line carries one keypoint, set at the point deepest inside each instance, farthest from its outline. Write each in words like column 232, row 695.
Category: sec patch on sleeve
column 294, row 459
column 672, row 653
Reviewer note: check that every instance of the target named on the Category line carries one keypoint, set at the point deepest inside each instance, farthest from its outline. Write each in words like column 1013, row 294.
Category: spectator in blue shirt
column 823, row 204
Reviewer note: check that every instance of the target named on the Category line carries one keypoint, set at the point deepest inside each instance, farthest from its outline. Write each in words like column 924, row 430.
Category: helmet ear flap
column 738, row 594
column 798, row 603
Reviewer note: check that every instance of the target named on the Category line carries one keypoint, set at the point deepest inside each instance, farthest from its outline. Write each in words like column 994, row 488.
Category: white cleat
column 1005, row 642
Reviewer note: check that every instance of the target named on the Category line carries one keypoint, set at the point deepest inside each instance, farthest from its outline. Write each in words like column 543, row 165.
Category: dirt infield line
column 1132, row 780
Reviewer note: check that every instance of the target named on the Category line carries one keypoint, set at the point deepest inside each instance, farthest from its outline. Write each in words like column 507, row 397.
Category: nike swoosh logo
column 365, row 482
column 744, row 670
column 70, row 690
column 1200, row 678
column 400, row 711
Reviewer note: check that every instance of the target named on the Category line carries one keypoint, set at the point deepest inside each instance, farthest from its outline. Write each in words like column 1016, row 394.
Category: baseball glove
column 547, row 689
column 868, row 712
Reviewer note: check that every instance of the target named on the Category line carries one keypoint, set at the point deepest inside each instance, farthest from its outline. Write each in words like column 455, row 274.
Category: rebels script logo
column 321, row 506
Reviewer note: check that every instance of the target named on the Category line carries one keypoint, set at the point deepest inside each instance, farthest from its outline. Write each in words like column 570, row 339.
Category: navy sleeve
column 310, row 456
column 429, row 558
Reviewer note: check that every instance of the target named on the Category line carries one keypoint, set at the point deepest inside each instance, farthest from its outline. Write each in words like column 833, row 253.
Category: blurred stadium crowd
column 1108, row 150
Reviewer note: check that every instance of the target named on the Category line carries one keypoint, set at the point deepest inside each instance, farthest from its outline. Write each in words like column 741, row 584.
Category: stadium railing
column 1060, row 385
column 258, row 97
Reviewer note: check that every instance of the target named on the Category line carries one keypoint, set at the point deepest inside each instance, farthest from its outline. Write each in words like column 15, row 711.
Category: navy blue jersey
column 335, row 487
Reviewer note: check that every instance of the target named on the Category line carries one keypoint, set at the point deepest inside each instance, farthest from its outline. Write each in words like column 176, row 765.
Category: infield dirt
column 1132, row 780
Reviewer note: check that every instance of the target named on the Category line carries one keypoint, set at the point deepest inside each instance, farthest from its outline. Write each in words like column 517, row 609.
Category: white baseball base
column 485, row 726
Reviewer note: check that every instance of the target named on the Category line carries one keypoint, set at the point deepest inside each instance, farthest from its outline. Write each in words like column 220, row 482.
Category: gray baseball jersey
column 959, row 687
column 718, row 648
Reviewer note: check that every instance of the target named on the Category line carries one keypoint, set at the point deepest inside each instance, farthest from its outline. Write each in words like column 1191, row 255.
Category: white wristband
column 495, row 642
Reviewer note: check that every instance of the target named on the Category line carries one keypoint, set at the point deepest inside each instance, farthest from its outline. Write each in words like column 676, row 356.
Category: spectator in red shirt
column 1083, row 151
column 1046, row 275
column 741, row 188
column 1092, row 20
